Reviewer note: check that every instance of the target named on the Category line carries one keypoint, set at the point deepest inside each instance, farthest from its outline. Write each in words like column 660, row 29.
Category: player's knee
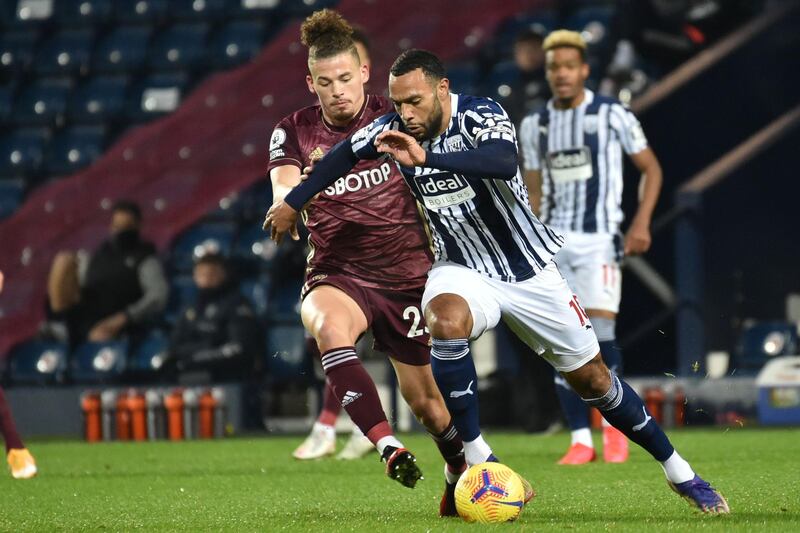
column 592, row 380
column 448, row 318
column 331, row 334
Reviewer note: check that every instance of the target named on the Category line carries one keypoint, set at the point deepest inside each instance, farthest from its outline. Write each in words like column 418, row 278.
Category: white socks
column 476, row 451
column 677, row 469
column 388, row 440
column 329, row 431
column 582, row 436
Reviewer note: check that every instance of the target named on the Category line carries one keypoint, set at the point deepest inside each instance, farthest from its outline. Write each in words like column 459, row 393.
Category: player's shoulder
column 479, row 104
column 305, row 116
column 378, row 105
column 615, row 104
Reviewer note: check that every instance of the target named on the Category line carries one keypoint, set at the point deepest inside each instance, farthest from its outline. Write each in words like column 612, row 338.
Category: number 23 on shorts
column 413, row 314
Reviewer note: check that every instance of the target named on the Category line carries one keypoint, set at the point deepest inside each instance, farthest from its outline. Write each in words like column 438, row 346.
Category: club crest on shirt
column 454, row 143
column 590, row 124
column 316, row 154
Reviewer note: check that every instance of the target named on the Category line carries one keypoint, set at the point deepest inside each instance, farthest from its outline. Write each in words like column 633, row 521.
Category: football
column 489, row 493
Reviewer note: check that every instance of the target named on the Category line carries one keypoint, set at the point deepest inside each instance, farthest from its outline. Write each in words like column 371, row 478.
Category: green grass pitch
column 254, row 485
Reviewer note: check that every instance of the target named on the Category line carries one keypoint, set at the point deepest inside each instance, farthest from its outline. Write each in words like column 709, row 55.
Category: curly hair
column 326, row 34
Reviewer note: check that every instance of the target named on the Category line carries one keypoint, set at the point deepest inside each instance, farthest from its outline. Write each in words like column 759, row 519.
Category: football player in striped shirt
column 493, row 257
column 572, row 151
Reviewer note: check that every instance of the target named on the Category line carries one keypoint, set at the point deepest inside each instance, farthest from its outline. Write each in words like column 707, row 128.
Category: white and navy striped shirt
column 579, row 153
column 483, row 223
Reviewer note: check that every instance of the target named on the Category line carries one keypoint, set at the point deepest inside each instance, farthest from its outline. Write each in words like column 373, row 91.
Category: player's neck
column 447, row 111
column 571, row 103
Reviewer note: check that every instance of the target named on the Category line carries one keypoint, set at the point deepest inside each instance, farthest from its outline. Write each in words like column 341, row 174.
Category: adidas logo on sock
column 350, row 397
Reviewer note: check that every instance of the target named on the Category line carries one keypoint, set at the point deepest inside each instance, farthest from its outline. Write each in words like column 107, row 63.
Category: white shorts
column 542, row 311
column 589, row 262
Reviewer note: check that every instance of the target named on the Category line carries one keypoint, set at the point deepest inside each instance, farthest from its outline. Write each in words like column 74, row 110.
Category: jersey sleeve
column 284, row 147
column 628, row 129
column 485, row 120
column 363, row 140
column 529, row 142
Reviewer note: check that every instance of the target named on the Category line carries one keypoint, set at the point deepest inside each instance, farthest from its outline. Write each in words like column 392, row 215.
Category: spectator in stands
column 531, row 91
column 119, row 292
column 217, row 338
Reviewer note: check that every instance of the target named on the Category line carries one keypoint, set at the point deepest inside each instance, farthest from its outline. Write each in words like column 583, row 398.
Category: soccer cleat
column 578, row 454
column 21, row 463
column 701, row 495
column 447, row 506
column 401, row 465
column 357, row 447
column 319, row 443
column 615, row 445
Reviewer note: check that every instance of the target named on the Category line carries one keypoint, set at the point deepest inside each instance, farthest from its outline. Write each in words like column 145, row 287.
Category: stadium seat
column 286, row 353
column 65, row 53
column 43, row 102
column 75, row 148
column 99, row 99
column 156, row 95
column 26, row 14
column 198, row 9
column 150, row 352
column 99, row 362
column 201, row 239
column 236, row 42
column 182, row 292
column 256, row 199
column 77, row 13
column 138, row 11
column 502, row 78
column 463, row 78
column 11, row 194
column 301, row 8
column 6, row 100
column 257, row 291
column 284, row 301
column 593, row 21
column 251, row 9
column 38, row 362
column 122, row 50
column 182, row 46
column 254, row 246
column 762, row 341
column 17, row 49
column 22, row 151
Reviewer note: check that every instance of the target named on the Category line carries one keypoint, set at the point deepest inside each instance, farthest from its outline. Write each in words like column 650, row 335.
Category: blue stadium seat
column 122, row 50
column 763, row 341
column 75, row 13
column 257, row 290
column 254, row 245
column 463, row 78
column 286, row 353
column 42, row 102
column 303, row 8
column 38, row 362
column 137, row 11
column 16, row 14
column 182, row 292
column 503, row 77
column 99, row 362
column 74, row 148
column 100, row 99
column 182, row 46
column 150, row 352
column 284, row 301
column 198, row 9
column 17, row 49
column 156, row 95
column 65, row 53
column 201, row 239
column 237, row 42
column 22, row 151
column 256, row 200
column 6, row 100
column 11, row 194
column 251, row 9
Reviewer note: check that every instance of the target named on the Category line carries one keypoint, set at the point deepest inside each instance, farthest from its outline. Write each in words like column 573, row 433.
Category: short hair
column 326, row 34
column 528, row 35
column 130, row 207
column 213, row 259
column 415, row 59
column 360, row 36
column 565, row 39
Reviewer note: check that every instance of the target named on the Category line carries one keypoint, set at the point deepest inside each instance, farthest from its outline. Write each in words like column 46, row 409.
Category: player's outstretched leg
column 20, row 460
column 625, row 410
column 615, row 444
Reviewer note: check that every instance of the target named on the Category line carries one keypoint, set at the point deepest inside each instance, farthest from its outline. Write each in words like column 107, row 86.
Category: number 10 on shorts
column 582, row 316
